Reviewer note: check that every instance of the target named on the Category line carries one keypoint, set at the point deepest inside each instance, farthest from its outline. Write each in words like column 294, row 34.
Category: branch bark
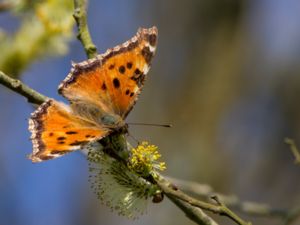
column 220, row 208
column 17, row 86
column 247, row 207
column 84, row 36
column 294, row 149
column 193, row 213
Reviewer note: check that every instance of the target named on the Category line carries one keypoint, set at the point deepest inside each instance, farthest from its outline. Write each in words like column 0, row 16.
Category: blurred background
column 226, row 76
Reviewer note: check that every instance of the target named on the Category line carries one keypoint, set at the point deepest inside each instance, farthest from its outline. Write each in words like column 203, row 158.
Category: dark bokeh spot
column 103, row 87
column 129, row 65
column 71, row 132
column 116, row 82
column 122, row 69
column 127, row 92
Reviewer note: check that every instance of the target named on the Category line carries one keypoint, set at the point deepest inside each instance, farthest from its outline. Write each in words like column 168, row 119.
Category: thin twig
column 250, row 208
column 220, row 209
column 83, row 30
column 294, row 149
column 193, row 213
column 292, row 216
column 17, row 86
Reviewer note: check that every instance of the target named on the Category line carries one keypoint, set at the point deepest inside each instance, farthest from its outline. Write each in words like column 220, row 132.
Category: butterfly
column 101, row 92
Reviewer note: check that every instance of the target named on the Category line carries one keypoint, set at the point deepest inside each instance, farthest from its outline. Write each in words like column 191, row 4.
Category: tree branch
column 193, row 213
column 172, row 192
column 247, row 207
column 292, row 216
column 17, row 86
column 83, row 30
column 294, row 149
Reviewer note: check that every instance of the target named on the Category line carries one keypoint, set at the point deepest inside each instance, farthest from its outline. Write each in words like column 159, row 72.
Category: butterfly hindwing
column 113, row 80
column 57, row 131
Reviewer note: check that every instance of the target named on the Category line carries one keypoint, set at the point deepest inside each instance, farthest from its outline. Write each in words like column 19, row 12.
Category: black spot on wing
column 129, row 65
column 75, row 143
column 137, row 71
column 103, row 87
column 152, row 39
column 61, row 138
column 139, row 79
column 116, row 82
column 59, row 152
column 122, row 69
column 71, row 132
column 45, row 157
column 147, row 54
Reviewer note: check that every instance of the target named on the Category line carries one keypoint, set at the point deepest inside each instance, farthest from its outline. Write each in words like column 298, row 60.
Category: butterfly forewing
column 114, row 79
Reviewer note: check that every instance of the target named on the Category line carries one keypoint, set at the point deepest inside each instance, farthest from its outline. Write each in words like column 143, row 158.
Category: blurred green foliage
column 45, row 29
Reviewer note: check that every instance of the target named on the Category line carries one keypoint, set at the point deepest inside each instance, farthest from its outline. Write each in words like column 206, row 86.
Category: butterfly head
column 114, row 122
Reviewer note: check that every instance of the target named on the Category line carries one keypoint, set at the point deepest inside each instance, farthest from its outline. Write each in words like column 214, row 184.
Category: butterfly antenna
column 151, row 124
column 133, row 138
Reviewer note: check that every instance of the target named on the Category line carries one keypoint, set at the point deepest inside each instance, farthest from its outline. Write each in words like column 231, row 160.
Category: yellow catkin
column 145, row 158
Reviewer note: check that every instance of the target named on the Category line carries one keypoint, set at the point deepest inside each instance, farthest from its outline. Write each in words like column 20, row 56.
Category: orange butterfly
column 101, row 92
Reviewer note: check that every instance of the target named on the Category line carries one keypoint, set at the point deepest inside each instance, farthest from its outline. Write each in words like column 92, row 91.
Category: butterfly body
column 101, row 92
